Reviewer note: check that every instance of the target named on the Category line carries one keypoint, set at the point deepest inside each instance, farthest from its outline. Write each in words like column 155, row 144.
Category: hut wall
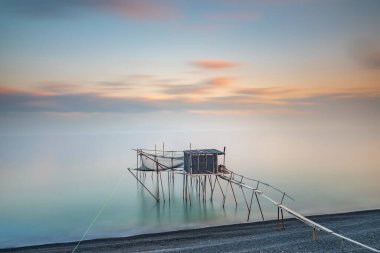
column 201, row 163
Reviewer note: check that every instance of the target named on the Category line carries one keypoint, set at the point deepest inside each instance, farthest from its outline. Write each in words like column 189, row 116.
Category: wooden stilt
column 187, row 188
column 158, row 186
column 258, row 203
column 225, row 195
column 183, row 187
column 233, row 193
column 282, row 219
column 162, row 187
column 158, row 200
column 220, row 189
column 315, row 236
column 246, row 202
column 204, row 188
column 250, row 206
column 169, row 185
column 199, row 188
column 189, row 192
column 212, row 189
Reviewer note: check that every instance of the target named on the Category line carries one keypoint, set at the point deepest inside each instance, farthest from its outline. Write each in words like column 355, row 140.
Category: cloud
column 7, row 90
column 243, row 100
column 197, row 89
column 130, row 9
column 215, row 64
column 186, row 89
column 58, row 88
column 141, row 9
column 233, row 16
column 222, row 81
column 29, row 102
column 113, row 87
column 367, row 53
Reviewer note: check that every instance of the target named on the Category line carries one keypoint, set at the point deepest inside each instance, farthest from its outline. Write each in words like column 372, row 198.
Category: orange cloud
column 222, row 81
column 43, row 93
column 215, row 64
column 5, row 90
column 218, row 95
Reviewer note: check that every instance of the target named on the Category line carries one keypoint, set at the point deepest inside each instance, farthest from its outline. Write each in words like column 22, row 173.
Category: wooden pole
column 162, row 187
column 282, row 219
column 137, row 159
column 246, row 202
column 200, row 187
column 189, row 192
column 144, row 186
column 224, row 156
column 228, row 182
column 233, row 193
column 220, row 188
column 315, row 236
column 157, row 178
column 261, row 211
column 204, row 188
column 169, row 185
column 250, row 206
column 183, row 187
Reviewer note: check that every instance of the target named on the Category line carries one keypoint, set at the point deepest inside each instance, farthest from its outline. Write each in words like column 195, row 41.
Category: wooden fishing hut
column 202, row 161
column 202, row 164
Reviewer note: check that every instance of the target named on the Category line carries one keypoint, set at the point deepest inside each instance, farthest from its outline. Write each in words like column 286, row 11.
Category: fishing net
column 160, row 160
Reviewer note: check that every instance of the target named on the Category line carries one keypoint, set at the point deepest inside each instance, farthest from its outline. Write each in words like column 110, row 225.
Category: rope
column 105, row 203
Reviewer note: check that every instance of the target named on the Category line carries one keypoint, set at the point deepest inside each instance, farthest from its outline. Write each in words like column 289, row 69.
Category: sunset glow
column 168, row 53
column 289, row 89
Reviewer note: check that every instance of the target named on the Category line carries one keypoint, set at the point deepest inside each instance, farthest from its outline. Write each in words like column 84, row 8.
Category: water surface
column 52, row 186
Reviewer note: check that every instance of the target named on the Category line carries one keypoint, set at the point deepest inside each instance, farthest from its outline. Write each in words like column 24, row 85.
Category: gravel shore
column 363, row 226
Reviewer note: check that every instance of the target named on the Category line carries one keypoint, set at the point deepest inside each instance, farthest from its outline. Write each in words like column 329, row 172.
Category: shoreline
column 363, row 226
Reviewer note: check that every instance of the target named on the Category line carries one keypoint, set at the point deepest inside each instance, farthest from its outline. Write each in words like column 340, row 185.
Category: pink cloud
column 215, row 64
column 142, row 10
column 139, row 10
column 7, row 90
column 222, row 81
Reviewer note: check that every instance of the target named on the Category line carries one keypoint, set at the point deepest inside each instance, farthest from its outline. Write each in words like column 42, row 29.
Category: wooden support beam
column 258, row 203
column 233, row 193
column 250, row 206
column 246, row 202
column 225, row 195
column 162, row 187
column 315, row 235
column 212, row 188
column 158, row 200
column 220, row 187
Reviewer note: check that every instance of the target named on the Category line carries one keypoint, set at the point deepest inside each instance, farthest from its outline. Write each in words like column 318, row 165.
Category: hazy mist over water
column 52, row 185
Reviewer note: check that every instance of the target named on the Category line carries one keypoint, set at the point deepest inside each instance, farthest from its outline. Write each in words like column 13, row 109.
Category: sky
column 291, row 87
column 225, row 62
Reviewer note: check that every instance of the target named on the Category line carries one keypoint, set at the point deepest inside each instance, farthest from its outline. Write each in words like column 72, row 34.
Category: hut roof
column 203, row 152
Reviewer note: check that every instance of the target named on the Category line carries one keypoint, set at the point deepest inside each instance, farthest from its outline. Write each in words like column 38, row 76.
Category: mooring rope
column 105, row 203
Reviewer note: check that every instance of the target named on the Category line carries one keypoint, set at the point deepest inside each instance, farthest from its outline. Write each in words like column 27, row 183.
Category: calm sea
column 52, row 186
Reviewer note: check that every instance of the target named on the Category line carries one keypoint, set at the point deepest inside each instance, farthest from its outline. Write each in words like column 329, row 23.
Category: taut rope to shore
column 105, row 203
